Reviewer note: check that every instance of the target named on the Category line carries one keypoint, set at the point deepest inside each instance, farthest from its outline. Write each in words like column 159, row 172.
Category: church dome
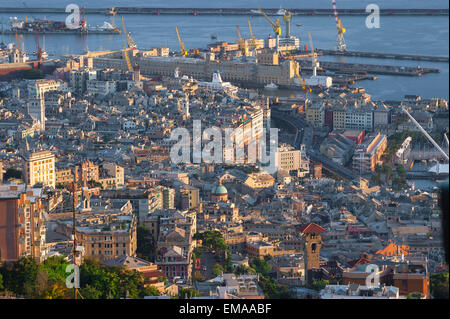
column 220, row 190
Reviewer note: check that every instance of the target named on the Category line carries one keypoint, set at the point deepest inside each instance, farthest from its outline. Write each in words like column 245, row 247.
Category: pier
column 383, row 55
column 232, row 11
column 354, row 68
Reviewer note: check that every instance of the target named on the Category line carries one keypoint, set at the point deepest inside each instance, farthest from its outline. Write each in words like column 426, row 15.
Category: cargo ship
column 57, row 27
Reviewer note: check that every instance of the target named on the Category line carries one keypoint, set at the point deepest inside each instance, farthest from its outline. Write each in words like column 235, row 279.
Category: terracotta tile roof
column 311, row 228
column 394, row 250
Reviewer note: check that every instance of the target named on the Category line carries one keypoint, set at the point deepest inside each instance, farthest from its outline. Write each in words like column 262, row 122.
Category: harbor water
column 421, row 35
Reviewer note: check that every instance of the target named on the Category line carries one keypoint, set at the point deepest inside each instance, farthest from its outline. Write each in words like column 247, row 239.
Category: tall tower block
column 312, row 242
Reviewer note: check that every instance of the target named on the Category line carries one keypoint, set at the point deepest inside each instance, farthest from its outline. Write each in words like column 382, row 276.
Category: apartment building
column 315, row 115
column 233, row 71
column 36, row 109
column 22, row 222
column 64, row 176
column 289, row 158
column 111, row 176
column 104, row 235
column 86, row 172
column 39, row 167
column 38, row 88
column 368, row 154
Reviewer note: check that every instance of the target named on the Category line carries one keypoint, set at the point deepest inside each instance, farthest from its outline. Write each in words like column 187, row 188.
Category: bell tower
column 312, row 242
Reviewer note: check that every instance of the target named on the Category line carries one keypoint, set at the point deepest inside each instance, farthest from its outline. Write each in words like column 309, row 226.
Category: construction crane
column 303, row 84
column 340, row 42
column 275, row 25
column 287, row 19
column 128, row 38
column 181, row 43
column 425, row 133
column 253, row 42
column 315, row 62
column 242, row 44
column 38, row 47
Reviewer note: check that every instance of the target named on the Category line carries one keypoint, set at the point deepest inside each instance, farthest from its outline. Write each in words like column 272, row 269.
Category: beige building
column 104, row 235
column 267, row 70
column 112, row 176
column 289, row 159
column 39, row 167
column 64, row 176
column 315, row 115
column 368, row 154
column 22, row 223
column 259, row 180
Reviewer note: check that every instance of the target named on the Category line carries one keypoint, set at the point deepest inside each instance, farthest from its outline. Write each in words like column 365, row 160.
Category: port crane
column 305, row 87
column 426, row 133
column 275, row 25
column 130, row 42
column 181, row 43
column 242, row 44
column 315, row 62
column 340, row 42
column 38, row 47
column 130, row 46
column 253, row 42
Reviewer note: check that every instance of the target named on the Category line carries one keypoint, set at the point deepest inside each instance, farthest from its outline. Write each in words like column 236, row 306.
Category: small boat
column 299, row 24
column 271, row 86
column 213, row 37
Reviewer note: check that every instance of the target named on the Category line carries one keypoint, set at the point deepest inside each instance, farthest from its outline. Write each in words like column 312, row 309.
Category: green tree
column 439, row 285
column 319, row 285
column 57, row 291
column 217, row 270
column 261, row 266
column 187, row 293
column 244, row 270
column 198, row 276
column 414, row 295
column 22, row 278
column 149, row 291
column 89, row 292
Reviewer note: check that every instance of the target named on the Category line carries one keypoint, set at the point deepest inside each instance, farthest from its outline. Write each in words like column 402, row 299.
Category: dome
column 220, row 190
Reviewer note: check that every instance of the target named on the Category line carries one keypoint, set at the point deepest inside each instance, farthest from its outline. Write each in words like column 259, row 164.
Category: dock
column 232, row 11
column 383, row 55
column 354, row 68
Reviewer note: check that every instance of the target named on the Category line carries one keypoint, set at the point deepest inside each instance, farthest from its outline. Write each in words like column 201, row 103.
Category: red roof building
column 311, row 228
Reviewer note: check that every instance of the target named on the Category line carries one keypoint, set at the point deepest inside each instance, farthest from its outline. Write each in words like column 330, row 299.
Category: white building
column 39, row 167
column 36, row 109
column 355, row 291
column 100, row 87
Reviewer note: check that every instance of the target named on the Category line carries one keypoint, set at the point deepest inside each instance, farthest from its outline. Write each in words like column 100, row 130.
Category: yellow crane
column 242, row 45
column 275, row 25
column 305, row 87
column 253, row 42
column 127, row 58
column 128, row 38
column 181, row 43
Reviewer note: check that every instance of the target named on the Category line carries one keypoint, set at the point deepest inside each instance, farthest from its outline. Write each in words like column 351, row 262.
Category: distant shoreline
column 232, row 11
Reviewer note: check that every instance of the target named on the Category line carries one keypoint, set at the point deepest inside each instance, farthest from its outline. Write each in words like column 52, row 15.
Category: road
column 305, row 136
